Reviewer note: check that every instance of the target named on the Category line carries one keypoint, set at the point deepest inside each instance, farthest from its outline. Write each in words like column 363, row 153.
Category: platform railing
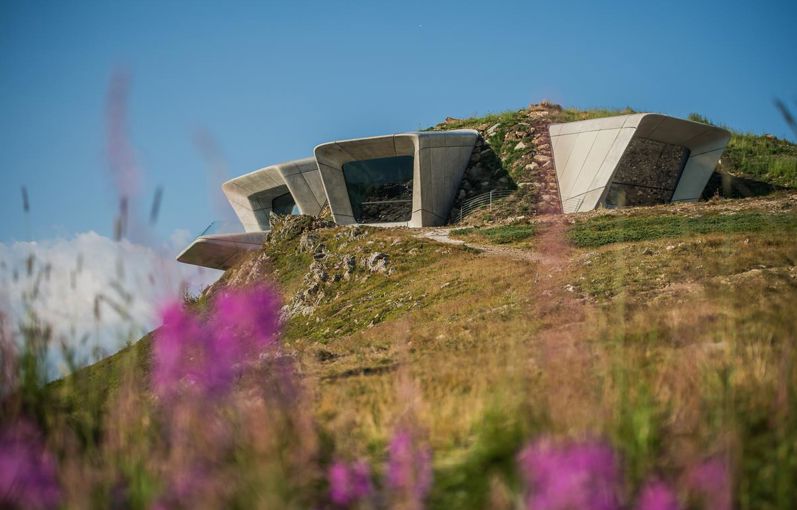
column 483, row 201
column 222, row 227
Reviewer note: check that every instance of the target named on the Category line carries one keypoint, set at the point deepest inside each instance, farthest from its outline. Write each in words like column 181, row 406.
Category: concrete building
column 407, row 179
column 632, row 160
column 412, row 179
column 293, row 187
column 220, row 251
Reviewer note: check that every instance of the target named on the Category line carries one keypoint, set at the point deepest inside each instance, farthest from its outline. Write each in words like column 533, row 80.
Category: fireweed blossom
column 206, row 356
column 711, row 482
column 349, row 483
column 409, row 468
column 563, row 477
column 656, row 495
column 27, row 470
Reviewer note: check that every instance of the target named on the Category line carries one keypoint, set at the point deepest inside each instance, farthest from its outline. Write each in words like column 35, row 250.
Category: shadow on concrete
column 485, row 172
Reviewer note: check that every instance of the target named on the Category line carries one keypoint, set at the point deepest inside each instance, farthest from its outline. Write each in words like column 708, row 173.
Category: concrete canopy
column 596, row 157
column 251, row 195
column 439, row 161
column 220, row 251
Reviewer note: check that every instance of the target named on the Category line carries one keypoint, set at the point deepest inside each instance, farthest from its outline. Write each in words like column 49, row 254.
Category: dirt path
column 441, row 235
column 544, row 255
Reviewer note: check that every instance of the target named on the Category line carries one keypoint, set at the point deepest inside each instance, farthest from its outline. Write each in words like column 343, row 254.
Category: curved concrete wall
column 440, row 159
column 250, row 195
column 586, row 154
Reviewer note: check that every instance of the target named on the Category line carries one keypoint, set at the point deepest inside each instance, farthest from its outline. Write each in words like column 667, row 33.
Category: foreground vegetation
column 640, row 358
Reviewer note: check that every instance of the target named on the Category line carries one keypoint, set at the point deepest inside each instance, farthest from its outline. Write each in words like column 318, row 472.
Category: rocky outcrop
column 252, row 269
column 289, row 227
column 377, row 262
column 513, row 153
column 328, row 267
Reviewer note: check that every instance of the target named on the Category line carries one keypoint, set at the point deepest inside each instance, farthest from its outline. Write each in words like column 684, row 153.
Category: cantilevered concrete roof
column 587, row 155
column 251, row 195
column 440, row 158
column 221, row 251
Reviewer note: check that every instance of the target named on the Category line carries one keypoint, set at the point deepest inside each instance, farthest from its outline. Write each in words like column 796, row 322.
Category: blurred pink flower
column 563, row 477
column 349, row 483
column 205, row 356
column 711, row 481
column 27, row 470
column 409, row 469
column 246, row 322
column 656, row 495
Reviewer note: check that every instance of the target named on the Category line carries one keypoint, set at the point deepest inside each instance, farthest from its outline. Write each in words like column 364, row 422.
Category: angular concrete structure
column 638, row 159
column 293, row 187
column 407, row 179
column 411, row 179
column 221, row 251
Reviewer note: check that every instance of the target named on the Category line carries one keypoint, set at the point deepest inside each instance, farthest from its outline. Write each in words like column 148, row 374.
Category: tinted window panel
column 284, row 205
column 380, row 190
column 647, row 174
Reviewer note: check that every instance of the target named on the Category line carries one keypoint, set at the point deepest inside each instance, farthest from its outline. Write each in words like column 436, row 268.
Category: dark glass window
column 284, row 205
column 380, row 190
column 647, row 174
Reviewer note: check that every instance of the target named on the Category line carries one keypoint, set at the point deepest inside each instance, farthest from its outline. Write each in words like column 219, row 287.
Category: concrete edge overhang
column 221, row 251
column 250, row 195
column 440, row 158
column 587, row 153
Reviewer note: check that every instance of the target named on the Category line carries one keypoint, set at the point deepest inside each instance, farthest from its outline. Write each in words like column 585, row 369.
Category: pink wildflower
column 711, row 481
column 349, row 483
column 207, row 356
column 657, row 495
column 409, row 469
column 581, row 475
column 27, row 470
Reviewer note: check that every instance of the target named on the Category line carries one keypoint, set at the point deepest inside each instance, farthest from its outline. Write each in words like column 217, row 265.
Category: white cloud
column 96, row 293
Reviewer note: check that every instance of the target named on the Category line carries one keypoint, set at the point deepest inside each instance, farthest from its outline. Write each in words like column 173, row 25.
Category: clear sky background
column 263, row 82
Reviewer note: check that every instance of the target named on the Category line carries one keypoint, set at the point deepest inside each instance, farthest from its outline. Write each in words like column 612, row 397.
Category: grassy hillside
column 666, row 332
column 665, row 329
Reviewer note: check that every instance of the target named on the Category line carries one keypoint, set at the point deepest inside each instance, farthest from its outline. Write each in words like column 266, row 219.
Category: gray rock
column 377, row 262
column 317, row 273
column 348, row 264
column 492, row 129
column 320, row 252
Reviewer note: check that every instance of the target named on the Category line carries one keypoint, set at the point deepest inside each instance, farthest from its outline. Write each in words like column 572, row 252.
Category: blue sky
column 267, row 81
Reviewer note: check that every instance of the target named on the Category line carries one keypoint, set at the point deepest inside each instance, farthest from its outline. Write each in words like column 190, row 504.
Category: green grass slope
column 668, row 330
